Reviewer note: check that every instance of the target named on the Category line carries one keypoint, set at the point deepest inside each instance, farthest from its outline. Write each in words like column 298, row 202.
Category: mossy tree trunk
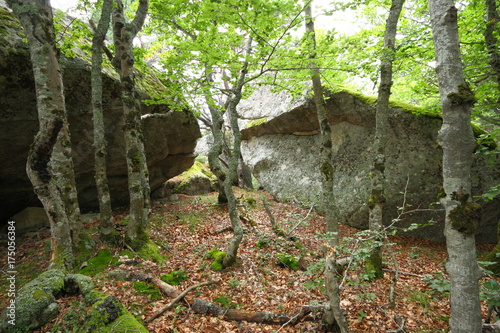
column 100, row 150
column 138, row 182
column 457, row 141
column 377, row 199
column 334, row 316
column 50, row 165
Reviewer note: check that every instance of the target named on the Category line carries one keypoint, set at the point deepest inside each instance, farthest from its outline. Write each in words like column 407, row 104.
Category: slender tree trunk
column 490, row 38
column 457, row 141
column 100, row 150
column 382, row 128
column 231, row 176
column 138, row 182
column 335, row 315
column 50, row 165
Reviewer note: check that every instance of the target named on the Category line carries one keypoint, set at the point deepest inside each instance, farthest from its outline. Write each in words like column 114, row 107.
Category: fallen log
column 208, row 308
column 201, row 306
column 177, row 299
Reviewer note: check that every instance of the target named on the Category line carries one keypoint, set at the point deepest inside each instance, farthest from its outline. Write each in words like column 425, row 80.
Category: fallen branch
column 276, row 229
column 177, row 299
column 208, row 308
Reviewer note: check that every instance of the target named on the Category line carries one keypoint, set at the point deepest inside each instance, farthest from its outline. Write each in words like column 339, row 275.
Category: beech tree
column 138, row 183
column 382, row 129
column 334, row 315
column 225, row 46
column 100, row 150
column 50, row 165
column 457, row 141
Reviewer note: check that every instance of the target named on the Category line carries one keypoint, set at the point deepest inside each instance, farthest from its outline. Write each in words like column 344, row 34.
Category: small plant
column 362, row 315
column 422, row 298
column 263, row 242
column 234, row 283
column 225, row 301
column 438, row 282
column 175, row 277
column 490, row 292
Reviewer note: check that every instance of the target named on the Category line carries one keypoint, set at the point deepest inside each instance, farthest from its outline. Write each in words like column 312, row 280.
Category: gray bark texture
column 331, row 213
column 236, row 94
column 100, row 151
column 382, row 128
column 457, row 141
column 124, row 34
column 50, row 165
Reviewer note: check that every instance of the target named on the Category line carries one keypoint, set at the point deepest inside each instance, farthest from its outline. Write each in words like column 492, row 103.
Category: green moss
column 373, row 265
column 494, row 257
column 109, row 315
column 33, row 299
column 175, row 277
column 99, row 263
column 465, row 217
column 463, row 96
column 441, row 194
column 218, row 256
column 256, row 122
column 198, row 169
column 39, row 294
column 150, row 251
column 288, row 261
column 147, row 288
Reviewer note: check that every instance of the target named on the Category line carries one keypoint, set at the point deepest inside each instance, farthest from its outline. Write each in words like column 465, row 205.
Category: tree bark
column 327, row 172
column 50, row 165
column 236, row 94
column 100, row 150
column 457, row 141
column 138, row 182
column 382, row 128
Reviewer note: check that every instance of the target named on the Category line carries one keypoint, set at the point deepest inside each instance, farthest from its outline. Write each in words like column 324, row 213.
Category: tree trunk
column 50, row 165
column 100, row 150
column 138, row 182
column 331, row 212
column 231, row 176
column 457, row 141
column 376, row 203
column 491, row 40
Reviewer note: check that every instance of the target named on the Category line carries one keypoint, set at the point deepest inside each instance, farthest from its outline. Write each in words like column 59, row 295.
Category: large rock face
column 169, row 142
column 283, row 153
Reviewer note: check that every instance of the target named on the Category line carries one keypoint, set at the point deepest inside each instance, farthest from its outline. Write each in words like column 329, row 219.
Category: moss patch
column 175, row 277
column 148, row 289
column 218, row 257
column 286, row 260
column 256, row 122
column 109, row 315
column 464, row 218
column 103, row 259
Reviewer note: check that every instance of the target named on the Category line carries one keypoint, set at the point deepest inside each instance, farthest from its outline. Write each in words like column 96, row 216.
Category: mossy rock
column 109, row 315
column 494, row 257
column 99, row 263
column 196, row 180
column 286, row 260
column 218, row 257
column 175, row 277
column 35, row 303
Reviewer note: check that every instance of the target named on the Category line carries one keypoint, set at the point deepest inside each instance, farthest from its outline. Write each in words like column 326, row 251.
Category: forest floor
column 188, row 228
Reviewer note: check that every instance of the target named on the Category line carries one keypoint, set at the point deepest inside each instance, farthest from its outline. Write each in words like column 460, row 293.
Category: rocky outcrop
column 283, row 153
column 169, row 142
